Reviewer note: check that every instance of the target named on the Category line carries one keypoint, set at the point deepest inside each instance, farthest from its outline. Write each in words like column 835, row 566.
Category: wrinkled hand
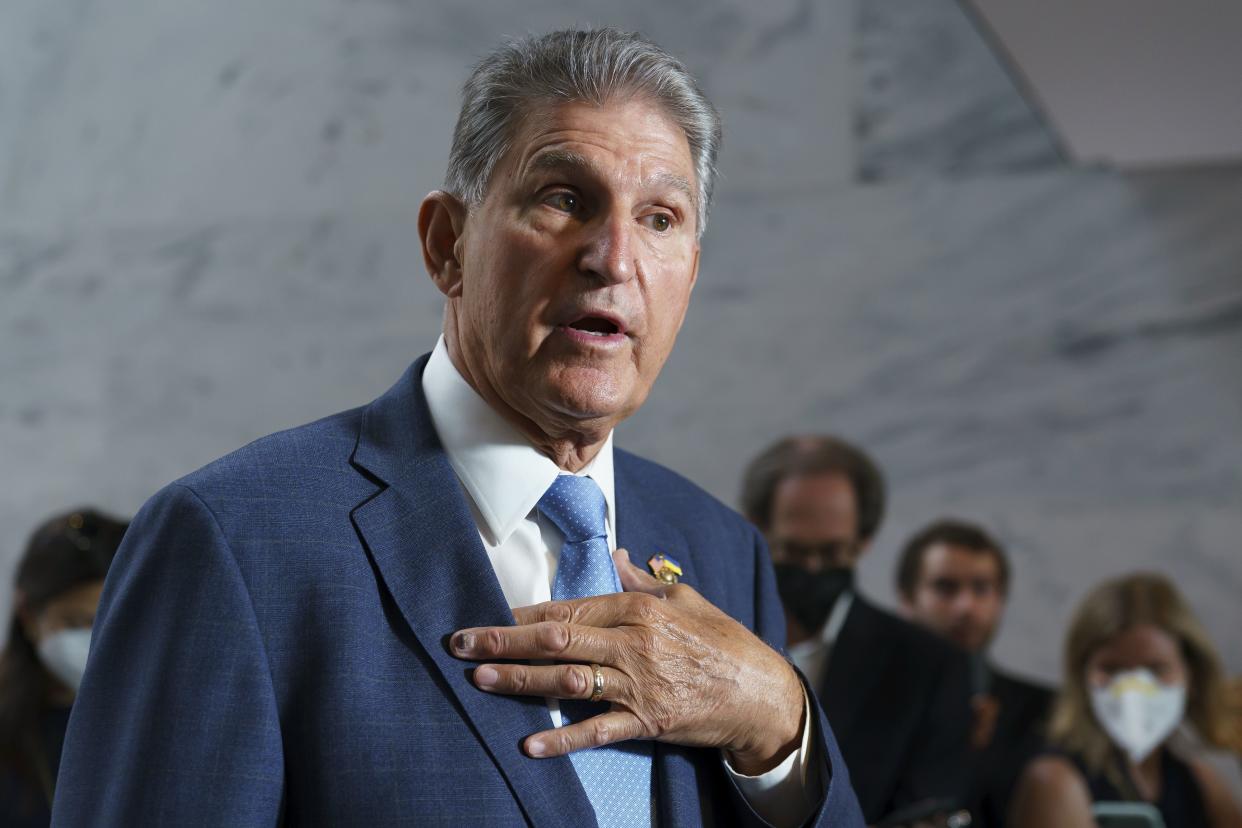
column 676, row 669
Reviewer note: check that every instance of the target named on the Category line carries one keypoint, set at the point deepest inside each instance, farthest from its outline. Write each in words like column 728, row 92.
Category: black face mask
column 809, row 596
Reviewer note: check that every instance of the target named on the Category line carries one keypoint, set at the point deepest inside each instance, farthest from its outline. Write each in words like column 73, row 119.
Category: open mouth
column 596, row 326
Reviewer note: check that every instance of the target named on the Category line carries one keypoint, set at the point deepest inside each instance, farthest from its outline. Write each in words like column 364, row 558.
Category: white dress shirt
column 504, row 477
column 811, row 656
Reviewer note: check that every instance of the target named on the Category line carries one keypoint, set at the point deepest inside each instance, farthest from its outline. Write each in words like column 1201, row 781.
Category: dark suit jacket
column 271, row 645
column 897, row 697
column 1018, row 738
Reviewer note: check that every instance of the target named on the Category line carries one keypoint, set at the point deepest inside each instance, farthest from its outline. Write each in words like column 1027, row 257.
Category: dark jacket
column 1017, row 738
column 897, row 698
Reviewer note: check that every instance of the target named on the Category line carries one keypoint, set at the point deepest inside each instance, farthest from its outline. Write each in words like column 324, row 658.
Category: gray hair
column 591, row 66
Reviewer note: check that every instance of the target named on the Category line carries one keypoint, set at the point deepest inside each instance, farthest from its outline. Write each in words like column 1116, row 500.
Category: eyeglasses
column 834, row 551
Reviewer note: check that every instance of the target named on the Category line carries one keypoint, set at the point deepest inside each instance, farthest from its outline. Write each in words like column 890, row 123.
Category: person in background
column 58, row 583
column 1138, row 666
column 954, row 579
column 897, row 696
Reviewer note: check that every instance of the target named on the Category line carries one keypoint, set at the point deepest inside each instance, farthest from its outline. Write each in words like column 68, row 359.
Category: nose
column 608, row 250
column 963, row 603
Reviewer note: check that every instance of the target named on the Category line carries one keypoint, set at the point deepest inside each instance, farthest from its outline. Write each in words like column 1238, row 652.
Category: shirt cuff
column 787, row 795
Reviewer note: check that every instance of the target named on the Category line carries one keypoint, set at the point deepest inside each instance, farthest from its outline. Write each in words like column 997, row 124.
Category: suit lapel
column 642, row 532
column 426, row 548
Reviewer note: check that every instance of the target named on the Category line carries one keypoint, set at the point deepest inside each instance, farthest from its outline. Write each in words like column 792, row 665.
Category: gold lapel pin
column 664, row 568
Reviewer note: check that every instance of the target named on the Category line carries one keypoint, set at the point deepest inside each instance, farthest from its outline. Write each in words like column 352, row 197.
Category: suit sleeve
column 825, row 772
column 940, row 762
column 176, row 719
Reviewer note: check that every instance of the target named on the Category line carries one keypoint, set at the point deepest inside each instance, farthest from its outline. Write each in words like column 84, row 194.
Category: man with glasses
column 895, row 695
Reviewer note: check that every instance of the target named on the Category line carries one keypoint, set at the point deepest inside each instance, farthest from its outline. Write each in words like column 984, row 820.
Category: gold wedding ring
column 597, row 684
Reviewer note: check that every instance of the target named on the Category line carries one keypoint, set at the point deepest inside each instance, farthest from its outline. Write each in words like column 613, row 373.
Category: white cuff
column 781, row 797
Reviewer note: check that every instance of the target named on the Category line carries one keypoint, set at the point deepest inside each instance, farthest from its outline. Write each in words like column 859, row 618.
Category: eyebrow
column 567, row 159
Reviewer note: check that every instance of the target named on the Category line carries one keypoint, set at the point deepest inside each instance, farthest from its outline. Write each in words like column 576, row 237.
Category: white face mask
column 64, row 654
column 1138, row 712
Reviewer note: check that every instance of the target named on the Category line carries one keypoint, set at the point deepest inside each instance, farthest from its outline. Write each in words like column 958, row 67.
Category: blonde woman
column 1137, row 666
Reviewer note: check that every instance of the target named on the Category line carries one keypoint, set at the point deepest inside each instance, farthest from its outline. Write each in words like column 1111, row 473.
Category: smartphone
column 1126, row 815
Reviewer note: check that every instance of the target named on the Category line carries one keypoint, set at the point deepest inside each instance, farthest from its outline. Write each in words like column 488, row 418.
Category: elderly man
column 459, row 604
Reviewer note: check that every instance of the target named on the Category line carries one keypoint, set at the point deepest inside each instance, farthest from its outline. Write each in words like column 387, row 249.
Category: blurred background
column 1002, row 252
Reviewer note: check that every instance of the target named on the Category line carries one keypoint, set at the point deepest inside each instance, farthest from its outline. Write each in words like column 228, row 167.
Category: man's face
column 815, row 522
column 958, row 595
column 577, row 267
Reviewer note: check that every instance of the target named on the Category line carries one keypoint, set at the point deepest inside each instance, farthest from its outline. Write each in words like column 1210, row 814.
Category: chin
column 591, row 394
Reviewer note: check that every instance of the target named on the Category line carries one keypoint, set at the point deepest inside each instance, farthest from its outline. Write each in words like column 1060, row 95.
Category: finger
column 613, row 610
column 558, row 681
column 604, row 729
column 545, row 640
column 633, row 579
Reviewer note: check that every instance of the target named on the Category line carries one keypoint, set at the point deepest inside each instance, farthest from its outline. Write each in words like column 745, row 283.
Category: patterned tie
column 617, row 778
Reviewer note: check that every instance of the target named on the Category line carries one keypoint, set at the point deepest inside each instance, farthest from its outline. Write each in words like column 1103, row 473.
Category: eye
column 1162, row 669
column 795, row 550
column 659, row 222
column 563, row 201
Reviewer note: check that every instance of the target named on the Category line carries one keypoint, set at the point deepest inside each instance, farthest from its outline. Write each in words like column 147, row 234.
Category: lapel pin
column 664, row 568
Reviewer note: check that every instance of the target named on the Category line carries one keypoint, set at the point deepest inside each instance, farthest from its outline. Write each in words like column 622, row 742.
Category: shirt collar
column 502, row 472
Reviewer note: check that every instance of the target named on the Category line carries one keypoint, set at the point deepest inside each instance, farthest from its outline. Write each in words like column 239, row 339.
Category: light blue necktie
column 617, row 778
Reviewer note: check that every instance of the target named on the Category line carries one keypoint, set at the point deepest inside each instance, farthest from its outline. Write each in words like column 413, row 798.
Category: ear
column 441, row 222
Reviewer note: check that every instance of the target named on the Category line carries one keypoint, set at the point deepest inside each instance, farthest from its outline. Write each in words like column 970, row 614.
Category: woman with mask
column 1137, row 667
column 58, row 583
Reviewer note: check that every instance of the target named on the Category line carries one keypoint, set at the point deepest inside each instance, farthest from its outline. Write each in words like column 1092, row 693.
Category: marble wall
column 207, row 233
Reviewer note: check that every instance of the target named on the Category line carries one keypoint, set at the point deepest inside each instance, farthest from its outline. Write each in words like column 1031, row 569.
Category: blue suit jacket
column 271, row 645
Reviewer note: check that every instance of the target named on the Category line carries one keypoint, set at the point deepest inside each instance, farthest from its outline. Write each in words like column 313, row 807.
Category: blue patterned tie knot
column 577, row 506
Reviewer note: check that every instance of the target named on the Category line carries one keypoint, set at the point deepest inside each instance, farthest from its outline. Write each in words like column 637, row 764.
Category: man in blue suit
column 458, row 604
